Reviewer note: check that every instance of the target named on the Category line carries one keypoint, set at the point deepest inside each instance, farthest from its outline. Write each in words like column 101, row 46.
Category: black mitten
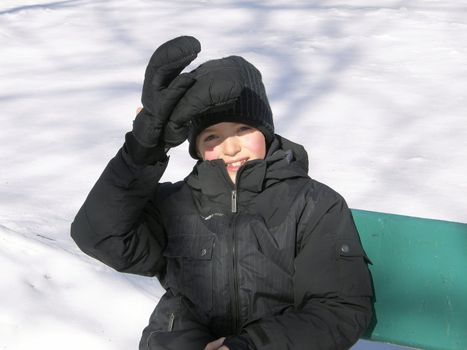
column 163, row 87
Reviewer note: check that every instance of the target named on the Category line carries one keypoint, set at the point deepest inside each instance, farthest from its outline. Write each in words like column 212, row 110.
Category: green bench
column 419, row 270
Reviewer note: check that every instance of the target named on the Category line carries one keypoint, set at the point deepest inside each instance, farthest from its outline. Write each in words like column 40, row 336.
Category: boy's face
column 234, row 143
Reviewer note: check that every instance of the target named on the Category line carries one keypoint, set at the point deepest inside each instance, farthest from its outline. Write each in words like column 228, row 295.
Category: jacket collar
column 284, row 159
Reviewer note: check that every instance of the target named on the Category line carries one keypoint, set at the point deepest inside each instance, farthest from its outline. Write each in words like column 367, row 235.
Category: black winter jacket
column 276, row 256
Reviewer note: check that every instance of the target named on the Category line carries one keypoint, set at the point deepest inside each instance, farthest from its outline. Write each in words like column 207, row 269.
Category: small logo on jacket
column 209, row 217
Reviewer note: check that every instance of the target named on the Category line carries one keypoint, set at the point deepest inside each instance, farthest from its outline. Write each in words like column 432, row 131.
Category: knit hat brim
column 237, row 111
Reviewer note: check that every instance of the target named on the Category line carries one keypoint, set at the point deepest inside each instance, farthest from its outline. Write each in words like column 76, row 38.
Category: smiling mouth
column 235, row 165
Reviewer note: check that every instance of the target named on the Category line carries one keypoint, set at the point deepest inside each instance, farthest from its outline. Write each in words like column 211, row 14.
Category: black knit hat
column 229, row 90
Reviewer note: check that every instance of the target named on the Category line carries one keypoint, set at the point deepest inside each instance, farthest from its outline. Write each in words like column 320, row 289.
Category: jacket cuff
column 263, row 338
column 123, row 172
column 239, row 342
column 136, row 154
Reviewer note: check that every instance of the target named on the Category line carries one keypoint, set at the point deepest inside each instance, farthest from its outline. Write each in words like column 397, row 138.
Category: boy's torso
column 233, row 267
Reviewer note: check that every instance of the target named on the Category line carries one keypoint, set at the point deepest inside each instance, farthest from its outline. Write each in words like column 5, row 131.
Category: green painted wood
column 419, row 274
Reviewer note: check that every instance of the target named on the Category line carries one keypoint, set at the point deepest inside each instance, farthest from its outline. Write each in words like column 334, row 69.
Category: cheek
column 257, row 145
column 209, row 154
column 206, row 153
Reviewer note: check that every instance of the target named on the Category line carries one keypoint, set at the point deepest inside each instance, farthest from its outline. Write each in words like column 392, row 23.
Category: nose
column 231, row 146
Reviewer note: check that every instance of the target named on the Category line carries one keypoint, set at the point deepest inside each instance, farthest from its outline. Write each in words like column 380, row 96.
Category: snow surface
column 372, row 89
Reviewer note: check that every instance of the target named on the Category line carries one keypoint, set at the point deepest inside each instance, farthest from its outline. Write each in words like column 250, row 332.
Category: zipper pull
column 234, row 201
column 171, row 322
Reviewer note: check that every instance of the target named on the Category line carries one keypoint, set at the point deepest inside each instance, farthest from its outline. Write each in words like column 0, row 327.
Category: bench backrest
column 419, row 270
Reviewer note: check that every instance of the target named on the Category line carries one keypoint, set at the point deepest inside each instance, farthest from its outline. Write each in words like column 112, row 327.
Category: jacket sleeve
column 332, row 285
column 118, row 222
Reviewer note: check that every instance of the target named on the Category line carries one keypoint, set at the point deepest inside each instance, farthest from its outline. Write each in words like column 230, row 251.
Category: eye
column 244, row 128
column 209, row 138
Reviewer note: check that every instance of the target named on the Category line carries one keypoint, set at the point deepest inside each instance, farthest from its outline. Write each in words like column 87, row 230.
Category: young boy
column 252, row 252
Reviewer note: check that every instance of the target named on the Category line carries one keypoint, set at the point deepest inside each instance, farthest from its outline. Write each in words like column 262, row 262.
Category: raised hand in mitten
column 163, row 87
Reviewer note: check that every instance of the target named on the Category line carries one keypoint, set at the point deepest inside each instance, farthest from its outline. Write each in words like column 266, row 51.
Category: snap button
column 203, row 252
column 345, row 248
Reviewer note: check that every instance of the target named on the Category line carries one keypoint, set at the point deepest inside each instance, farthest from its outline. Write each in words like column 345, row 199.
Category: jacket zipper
column 235, row 302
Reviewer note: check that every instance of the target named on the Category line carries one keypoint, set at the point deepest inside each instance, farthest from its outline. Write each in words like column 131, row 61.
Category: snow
column 372, row 89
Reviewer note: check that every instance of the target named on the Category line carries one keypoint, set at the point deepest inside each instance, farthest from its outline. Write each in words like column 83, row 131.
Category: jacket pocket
column 172, row 326
column 189, row 267
column 353, row 270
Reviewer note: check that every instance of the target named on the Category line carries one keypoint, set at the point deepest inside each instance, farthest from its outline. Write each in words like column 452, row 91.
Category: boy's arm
column 118, row 223
column 332, row 286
